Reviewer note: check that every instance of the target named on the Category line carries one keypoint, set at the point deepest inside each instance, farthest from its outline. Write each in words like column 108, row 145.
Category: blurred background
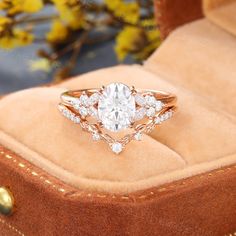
column 45, row 41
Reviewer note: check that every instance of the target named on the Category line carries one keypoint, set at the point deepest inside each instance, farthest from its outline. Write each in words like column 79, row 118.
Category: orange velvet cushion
column 200, row 137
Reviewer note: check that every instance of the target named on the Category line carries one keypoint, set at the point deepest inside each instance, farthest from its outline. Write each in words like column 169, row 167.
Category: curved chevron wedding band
column 117, row 107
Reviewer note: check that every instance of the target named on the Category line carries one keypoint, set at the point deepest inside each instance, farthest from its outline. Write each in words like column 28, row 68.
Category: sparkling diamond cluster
column 149, row 106
column 167, row 115
column 117, row 107
column 85, row 105
column 69, row 115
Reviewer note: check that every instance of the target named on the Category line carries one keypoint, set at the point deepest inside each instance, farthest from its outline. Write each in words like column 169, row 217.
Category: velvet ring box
column 180, row 180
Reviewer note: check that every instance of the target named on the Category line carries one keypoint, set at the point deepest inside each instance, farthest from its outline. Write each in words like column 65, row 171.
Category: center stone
column 116, row 107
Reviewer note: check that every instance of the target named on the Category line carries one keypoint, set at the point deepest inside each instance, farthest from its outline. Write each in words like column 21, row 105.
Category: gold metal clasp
column 6, row 201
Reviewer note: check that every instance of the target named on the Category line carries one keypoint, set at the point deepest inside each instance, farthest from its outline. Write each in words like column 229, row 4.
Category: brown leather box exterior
column 201, row 205
column 173, row 13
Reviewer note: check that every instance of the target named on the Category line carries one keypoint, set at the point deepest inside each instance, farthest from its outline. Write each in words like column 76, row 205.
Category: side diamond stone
column 140, row 100
column 157, row 120
column 158, row 105
column 96, row 136
column 93, row 112
column 116, row 147
column 83, row 111
column 138, row 136
column 150, row 100
column 151, row 112
column 76, row 103
column 67, row 113
column 76, row 120
column 84, row 99
column 140, row 113
column 93, row 99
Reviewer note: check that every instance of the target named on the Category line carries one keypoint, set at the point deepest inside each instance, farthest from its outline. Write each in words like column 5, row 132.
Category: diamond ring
column 117, row 113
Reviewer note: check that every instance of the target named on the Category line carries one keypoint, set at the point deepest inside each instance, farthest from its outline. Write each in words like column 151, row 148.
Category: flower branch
column 135, row 30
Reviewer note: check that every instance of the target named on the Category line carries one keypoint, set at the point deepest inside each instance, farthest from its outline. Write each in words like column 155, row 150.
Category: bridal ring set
column 117, row 113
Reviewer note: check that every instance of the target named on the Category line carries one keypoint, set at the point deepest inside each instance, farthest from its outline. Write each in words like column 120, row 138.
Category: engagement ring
column 117, row 113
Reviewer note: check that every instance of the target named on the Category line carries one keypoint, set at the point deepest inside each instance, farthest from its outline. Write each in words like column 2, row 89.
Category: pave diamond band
column 117, row 107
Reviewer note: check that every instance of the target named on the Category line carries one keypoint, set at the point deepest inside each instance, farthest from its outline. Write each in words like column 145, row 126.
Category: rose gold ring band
column 167, row 98
column 117, row 107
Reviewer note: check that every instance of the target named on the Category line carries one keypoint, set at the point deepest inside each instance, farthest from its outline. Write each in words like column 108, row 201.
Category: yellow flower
column 128, row 11
column 23, row 38
column 153, row 34
column 17, row 38
column 41, row 64
column 139, row 42
column 4, row 21
column 58, row 32
column 4, row 4
column 17, row 6
column 154, row 41
column 32, row 6
column 127, row 41
column 7, row 42
column 148, row 23
column 70, row 13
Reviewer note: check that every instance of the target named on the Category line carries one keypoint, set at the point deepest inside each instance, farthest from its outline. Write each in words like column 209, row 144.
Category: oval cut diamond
column 116, row 107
